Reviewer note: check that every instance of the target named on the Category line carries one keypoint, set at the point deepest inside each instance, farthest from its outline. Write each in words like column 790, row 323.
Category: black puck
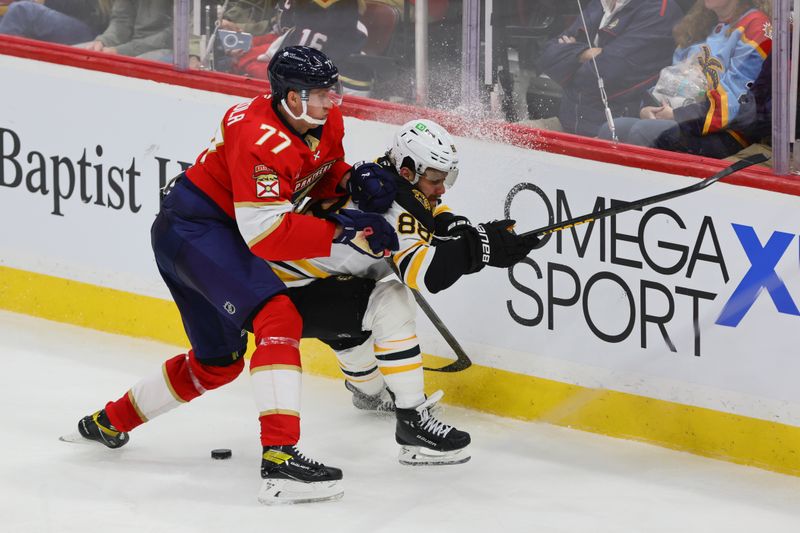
column 221, row 453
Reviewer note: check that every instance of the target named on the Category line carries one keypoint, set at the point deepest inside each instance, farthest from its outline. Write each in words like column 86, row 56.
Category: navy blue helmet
column 300, row 68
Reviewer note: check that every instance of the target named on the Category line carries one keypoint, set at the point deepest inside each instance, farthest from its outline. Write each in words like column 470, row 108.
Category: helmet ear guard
column 423, row 144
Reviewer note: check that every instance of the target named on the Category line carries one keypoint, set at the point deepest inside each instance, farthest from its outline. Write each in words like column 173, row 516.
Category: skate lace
column 428, row 422
column 297, row 454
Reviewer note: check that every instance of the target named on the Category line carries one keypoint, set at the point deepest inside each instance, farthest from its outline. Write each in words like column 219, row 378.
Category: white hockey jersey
column 412, row 217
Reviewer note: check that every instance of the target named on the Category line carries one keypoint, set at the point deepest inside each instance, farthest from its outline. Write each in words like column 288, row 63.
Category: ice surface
column 523, row 477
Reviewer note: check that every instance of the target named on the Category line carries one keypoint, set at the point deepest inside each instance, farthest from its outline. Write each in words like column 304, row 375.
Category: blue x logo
column 761, row 275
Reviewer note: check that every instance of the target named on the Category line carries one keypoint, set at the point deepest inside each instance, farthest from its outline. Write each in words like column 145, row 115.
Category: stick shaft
column 463, row 361
column 637, row 204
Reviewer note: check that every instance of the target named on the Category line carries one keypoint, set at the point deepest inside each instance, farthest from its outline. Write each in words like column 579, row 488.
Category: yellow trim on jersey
column 266, row 233
column 260, row 204
column 275, row 367
column 752, row 43
column 399, row 256
column 388, row 370
column 441, row 208
column 738, row 138
column 285, row 275
column 315, row 272
column 413, row 269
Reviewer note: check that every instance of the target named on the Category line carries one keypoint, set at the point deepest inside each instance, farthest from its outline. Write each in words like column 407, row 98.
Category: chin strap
column 304, row 115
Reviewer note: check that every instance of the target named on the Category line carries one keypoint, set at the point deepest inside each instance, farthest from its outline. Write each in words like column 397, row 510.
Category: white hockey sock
column 400, row 362
column 360, row 368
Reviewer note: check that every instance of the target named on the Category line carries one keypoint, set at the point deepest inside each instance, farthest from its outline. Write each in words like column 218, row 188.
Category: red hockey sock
column 276, row 372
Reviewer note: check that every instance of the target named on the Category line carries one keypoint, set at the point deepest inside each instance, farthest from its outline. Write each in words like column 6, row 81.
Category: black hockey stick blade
column 636, row 204
column 462, row 361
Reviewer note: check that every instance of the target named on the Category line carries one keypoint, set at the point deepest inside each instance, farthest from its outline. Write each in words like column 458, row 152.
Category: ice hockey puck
column 221, row 453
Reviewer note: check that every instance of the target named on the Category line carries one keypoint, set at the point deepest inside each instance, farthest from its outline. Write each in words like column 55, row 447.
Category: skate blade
column 76, row 438
column 419, row 456
column 287, row 491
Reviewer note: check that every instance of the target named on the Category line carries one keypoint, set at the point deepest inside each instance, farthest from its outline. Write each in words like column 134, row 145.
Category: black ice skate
column 383, row 402
column 96, row 427
column 424, row 440
column 291, row 477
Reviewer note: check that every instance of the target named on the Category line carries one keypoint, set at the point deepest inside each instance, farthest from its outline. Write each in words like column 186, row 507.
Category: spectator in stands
column 56, row 21
column 256, row 17
column 631, row 42
column 139, row 28
column 722, row 45
column 335, row 28
column 753, row 124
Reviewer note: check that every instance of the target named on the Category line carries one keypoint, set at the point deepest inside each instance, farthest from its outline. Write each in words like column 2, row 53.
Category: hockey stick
column 636, row 204
column 462, row 361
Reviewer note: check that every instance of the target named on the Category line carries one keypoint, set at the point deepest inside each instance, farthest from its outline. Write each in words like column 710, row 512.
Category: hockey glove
column 379, row 234
column 372, row 187
column 500, row 246
column 449, row 225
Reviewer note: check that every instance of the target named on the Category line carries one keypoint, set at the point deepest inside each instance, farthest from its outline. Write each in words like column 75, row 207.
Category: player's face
column 321, row 101
column 319, row 104
column 431, row 184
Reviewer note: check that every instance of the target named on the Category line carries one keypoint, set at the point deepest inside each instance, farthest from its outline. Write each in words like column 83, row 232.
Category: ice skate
column 424, row 440
column 383, row 402
column 291, row 477
column 96, row 427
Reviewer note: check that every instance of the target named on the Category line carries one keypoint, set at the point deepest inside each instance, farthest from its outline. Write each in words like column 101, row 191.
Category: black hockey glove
column 500, row 246
column 447, row 224
column 372, row 187
column 380, row 235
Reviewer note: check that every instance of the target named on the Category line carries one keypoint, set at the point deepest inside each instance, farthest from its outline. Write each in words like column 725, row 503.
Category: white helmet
column 423, row 144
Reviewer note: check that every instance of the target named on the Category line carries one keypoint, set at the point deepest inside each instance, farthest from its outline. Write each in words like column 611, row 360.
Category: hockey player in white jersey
column 370, row 324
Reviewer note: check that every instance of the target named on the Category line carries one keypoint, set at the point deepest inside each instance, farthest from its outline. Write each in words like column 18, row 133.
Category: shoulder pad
column 413, row 201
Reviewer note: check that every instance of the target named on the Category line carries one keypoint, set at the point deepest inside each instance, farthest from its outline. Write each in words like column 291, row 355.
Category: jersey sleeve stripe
column 398, row 257
column 270, row 203
column 257, row 222
column 413, row 269
column 285, row 276
column 311, row 269
column 441, row 208
column 263, row 235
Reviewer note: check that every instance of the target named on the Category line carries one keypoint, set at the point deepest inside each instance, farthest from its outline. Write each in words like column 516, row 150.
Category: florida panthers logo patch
column 267, row 183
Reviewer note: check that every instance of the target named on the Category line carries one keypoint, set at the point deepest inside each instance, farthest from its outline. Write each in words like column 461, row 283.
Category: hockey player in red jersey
column 218, row 223
column 373, row 332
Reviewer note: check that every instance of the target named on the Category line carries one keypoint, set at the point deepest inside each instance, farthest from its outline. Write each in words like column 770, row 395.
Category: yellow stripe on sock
column 169, row 385
column 135, row 405
column 279, row 412
column 389, row 370
column 275, row 367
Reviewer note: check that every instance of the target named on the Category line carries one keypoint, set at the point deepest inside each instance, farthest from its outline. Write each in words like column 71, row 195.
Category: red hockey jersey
column 258, row 170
